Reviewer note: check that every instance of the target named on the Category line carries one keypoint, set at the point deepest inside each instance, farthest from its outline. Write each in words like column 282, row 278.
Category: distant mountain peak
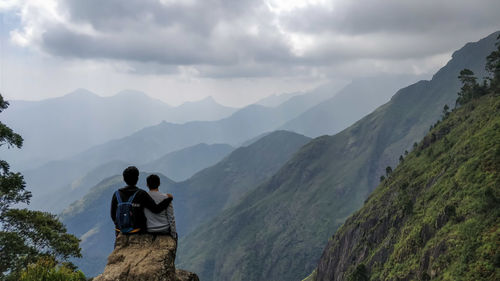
column 131, row 93
column 209, row 100
column 80, row 92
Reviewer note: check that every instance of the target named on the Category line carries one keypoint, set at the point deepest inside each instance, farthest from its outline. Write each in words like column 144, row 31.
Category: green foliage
column 445, row 112
column 469, row 86
column 471, row 89
column 7, row 136
column 26, row 235
column 388, row 171
column 47, row 269
column 442, row 209
column 493, row 68
column 360, row 273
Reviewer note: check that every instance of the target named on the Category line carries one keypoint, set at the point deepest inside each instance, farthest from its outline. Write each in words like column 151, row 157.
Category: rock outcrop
column 144, row 258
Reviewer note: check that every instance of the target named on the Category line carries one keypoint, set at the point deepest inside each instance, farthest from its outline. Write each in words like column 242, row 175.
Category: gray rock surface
column 144, row 258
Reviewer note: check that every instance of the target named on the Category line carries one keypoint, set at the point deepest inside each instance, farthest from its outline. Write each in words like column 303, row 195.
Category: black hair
column 131, row 175
column 153, row 181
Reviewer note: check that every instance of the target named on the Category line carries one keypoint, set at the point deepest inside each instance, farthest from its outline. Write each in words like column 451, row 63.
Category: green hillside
column 437, row 216
column 213, row 189
column 278, row 231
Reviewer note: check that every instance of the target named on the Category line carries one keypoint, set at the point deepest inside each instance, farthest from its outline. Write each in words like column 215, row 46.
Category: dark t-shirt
column 142, row 200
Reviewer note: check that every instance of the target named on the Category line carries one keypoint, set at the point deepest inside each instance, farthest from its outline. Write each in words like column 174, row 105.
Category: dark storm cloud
column 195, row 16
column 187, row 49
column 247, row 39
column 205, row 32
column 395, row 16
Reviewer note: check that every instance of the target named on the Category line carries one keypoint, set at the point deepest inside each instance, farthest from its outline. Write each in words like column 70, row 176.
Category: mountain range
column 151, row 143
column 354, row 101
column 196, row 200
column 278, row 230
column 182, row 164
column 177, row 165
column 61, row 127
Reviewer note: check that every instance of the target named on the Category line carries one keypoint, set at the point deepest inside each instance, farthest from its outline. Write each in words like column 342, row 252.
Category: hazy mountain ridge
column 354, row 101
column 150, row 143
column 276, row 100
column 215, row 188
column 175, row 165
column 60, row 127
column 196, row 200
column 437, row 214
column 277, row 231
column 182, row 164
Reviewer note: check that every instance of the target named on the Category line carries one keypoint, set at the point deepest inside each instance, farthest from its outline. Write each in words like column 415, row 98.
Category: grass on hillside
column 445, row 196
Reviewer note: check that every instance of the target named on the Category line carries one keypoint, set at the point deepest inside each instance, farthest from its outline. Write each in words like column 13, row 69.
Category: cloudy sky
column 237, row 51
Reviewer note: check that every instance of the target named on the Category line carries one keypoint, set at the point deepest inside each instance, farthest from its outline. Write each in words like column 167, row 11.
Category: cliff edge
column 144, row 258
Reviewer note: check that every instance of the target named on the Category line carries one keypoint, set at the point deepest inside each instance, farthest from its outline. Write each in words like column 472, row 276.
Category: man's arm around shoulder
column 151, row 204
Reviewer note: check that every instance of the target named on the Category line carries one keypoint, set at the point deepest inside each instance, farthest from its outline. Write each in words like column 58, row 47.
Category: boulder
column 144, row 257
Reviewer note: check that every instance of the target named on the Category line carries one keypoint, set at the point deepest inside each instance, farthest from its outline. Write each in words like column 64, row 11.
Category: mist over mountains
column 357, row 99
column 240, row 182
column 198, row 199
column 153, row 142
column 61, row 127
column 308, row 140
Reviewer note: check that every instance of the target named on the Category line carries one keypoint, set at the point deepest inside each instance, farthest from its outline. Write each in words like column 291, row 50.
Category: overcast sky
column 237, row 51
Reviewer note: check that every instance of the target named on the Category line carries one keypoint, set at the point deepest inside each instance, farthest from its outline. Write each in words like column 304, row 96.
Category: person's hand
column 170, row 195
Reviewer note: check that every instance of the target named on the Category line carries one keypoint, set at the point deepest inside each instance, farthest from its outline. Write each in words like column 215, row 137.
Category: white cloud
column 200, row 41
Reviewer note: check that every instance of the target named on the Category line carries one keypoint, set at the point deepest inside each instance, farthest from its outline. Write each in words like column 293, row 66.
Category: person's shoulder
column 142, row 192
column 157, row 194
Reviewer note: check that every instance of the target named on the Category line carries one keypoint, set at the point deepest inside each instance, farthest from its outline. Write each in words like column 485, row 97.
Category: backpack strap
column 118, row 198
column 132, row 197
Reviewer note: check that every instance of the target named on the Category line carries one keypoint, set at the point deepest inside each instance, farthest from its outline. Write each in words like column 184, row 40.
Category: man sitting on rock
column 128, row 203
column 163, row 222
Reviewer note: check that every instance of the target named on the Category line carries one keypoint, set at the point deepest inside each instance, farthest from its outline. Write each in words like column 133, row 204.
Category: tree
column 469, row 86
column 445, row 111
column 388, row 171
column 493, row 67
column 26, row 235
column 360, row 273
column 48, row 269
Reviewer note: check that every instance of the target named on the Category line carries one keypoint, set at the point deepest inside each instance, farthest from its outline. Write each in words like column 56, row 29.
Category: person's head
column 131, row 175
column 153, row 182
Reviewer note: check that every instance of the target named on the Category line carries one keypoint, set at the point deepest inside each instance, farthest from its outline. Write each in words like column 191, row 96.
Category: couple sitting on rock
column 134, row 210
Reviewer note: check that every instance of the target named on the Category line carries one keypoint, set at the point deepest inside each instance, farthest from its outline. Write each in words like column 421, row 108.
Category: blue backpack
column 124, row 215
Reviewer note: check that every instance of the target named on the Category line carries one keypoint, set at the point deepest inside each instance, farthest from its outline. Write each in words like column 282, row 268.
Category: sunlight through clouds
column 268, row 41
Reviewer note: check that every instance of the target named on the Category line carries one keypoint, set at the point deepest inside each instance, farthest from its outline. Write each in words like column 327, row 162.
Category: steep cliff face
column 437, row 216
column 144, row 258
